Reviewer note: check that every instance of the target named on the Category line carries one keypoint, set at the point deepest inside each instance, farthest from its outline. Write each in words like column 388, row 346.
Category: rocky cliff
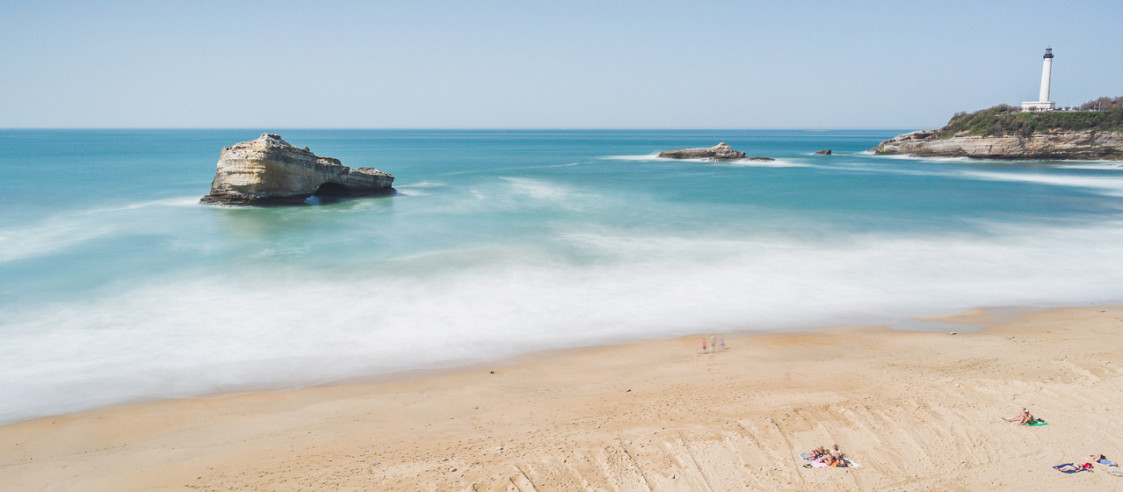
column 1088, row 144
column 719, row 151
column 271, row 171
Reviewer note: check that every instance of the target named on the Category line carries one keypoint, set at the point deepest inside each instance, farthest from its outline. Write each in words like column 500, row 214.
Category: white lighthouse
column 1043, row 103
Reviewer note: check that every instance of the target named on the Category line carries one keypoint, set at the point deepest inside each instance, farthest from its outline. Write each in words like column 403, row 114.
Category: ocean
column 117, row 286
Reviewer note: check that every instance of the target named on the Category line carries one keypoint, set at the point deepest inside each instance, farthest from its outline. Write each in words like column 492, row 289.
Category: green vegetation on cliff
column 1008, row 120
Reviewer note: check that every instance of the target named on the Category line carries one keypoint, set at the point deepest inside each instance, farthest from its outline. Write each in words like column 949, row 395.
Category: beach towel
column 818, row 463
column 1037, row 423
column 1058, row 468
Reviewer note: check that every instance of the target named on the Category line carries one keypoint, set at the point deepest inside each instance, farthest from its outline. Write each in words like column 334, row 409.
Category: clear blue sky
column 528, row 64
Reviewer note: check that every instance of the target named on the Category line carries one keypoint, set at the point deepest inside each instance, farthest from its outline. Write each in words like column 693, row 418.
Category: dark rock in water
column 271, row 171
column 824, row 152
column 760, row 159
column 719, row 151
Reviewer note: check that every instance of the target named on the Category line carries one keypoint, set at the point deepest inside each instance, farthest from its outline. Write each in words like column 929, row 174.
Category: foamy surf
column 539, row 189
column 1106, row 165
column 654, row 157
column 759, row 163
column 910, row 157
column 1107, row 185
column 500, row 244
column 65, row 231
column 187, row 336
column 418, row 189
column 51, row 236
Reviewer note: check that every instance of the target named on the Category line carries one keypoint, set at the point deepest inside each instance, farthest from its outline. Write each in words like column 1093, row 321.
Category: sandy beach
column 916, row 411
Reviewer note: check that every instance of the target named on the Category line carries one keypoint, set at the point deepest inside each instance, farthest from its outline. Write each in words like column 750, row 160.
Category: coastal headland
column 916, row 411
column 1004, row 132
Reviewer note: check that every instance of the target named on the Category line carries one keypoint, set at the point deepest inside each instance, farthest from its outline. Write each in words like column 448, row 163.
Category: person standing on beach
column 704, row 351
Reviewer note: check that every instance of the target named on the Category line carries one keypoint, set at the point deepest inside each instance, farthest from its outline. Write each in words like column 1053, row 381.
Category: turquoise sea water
column 116, row 285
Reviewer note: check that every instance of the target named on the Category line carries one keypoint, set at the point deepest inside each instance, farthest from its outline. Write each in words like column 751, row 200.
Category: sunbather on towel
column 1101, row 459
column 1024, row 418
column 1073, row 468
column 817, row 453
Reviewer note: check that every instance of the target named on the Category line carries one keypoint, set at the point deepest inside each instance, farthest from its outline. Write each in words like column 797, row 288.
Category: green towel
column 1037, row 423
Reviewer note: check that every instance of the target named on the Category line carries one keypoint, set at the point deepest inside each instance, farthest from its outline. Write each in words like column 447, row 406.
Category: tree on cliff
column 1102, row 104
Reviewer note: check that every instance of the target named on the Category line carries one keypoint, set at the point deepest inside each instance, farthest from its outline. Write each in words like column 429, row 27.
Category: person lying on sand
column 1072, row 467
column 1101, row 459
column 1024, row 418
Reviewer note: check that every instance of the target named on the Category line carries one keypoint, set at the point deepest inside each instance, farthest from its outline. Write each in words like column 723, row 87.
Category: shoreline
column 653, row 412
column 931, row 323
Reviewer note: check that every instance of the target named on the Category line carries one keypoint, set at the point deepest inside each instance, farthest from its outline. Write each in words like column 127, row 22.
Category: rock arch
column 332, row 189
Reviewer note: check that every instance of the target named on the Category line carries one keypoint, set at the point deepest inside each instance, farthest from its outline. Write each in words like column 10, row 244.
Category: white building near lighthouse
column 1043, row 103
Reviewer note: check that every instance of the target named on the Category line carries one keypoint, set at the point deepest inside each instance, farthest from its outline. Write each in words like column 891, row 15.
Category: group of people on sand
column 828, row 457
column 1027, row 418
column 1092, row 458
column 821, row 457
column 712, row 345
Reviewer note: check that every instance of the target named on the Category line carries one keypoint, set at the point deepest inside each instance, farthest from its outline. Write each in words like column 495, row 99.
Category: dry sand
column 917, row 411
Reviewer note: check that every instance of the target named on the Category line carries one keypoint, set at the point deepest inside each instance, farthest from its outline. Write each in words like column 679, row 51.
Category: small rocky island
column 1005, row 132
column 271, row 171
column 721, row 152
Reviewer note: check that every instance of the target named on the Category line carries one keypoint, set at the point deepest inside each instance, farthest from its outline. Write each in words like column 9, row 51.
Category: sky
column 541, row 64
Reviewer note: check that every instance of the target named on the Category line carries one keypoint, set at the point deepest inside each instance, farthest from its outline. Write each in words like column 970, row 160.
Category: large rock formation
column 719, row 151
column 271, row 171
column 1088, row 144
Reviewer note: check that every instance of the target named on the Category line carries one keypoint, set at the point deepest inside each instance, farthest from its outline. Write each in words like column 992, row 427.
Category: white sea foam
column 1094, row 165
column 420, row 188
column 48, row 237
column 180, row 336
column 713, row 162
column 759, row 163
column 188, row 201
column 68, row 230
column 542, row 190
column 654, row 156
column 910, row 157
column 422, row 184
column 1106, row 185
